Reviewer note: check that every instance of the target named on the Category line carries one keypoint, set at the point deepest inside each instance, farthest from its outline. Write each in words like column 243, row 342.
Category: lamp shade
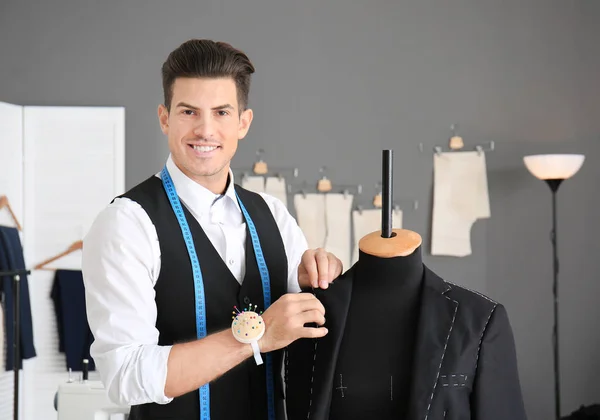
column 554, row 166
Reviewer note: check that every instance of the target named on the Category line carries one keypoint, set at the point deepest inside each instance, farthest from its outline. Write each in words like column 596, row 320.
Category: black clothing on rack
column 74, row 334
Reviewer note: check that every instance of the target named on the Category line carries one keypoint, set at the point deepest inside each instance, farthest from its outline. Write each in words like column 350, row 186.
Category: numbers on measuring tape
column 204, row 394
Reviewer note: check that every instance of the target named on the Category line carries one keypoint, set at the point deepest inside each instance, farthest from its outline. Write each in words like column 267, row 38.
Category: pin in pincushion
column 247, row 326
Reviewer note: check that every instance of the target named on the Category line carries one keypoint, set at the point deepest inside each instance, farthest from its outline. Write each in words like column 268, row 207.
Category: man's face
column 203, row 127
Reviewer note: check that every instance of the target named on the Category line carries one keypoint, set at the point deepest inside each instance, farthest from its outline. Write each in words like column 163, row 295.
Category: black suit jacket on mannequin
column 464, row 366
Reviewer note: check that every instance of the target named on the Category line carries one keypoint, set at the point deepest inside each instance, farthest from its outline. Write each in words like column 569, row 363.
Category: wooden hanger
column 260, row 166
column 77, row 245
column 388, row 242
column 4, row 203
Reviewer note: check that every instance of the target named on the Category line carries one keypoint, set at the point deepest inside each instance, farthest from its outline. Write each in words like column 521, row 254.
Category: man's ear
column 245, row 121
column 163, row 118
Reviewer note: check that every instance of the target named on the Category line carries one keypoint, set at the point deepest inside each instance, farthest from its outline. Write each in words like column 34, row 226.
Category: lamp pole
column 554, row 169
column 554, row 184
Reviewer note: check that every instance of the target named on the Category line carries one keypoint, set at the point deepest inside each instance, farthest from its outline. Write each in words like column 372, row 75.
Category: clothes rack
column 377, row 201
column 16, row 276
column 329, row 187
column 278, row 172
column 456, row 144
column 261, row 168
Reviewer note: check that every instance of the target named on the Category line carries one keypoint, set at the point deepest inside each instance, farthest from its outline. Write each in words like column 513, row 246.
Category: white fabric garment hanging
column 310, row 214
column 338, row 210
column 253, row 183
column 276, row 187
column 460, row 198
column 368, row 221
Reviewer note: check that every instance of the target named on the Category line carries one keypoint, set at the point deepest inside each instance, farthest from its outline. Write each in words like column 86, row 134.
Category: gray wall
column 337, row 81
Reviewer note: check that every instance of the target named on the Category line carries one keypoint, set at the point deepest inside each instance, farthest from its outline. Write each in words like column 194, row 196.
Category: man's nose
column 204, row 128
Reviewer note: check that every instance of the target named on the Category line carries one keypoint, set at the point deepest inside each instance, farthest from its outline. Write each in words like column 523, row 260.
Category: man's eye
column 188, row 112
column 223, row 113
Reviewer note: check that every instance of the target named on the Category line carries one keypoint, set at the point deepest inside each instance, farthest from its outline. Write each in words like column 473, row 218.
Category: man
column 165, row 264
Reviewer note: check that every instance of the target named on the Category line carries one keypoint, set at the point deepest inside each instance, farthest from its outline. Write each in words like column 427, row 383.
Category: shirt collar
column 199, row 200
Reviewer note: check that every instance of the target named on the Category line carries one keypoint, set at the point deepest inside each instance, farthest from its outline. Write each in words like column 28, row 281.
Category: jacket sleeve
column 496, row 388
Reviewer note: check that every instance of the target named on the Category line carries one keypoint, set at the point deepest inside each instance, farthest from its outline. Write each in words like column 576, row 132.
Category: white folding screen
column 11, row 160
column 73, row 165
column 11, row 185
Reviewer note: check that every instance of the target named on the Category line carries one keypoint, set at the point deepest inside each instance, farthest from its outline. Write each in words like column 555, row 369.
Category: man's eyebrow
column 185, row 105
column 220, row 107
column 216, row 108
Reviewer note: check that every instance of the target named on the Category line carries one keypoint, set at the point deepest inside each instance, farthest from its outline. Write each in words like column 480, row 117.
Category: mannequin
column 402, row 343
column 391, row 288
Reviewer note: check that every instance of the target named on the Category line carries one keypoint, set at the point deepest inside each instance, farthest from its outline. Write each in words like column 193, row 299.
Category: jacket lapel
column 337, row 299
column 436, row 320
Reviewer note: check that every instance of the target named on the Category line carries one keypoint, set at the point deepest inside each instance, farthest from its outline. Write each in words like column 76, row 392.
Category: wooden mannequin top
column 402, row 243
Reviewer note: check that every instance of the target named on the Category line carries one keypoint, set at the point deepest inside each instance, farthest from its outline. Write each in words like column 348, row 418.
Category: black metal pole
column 16, row 275
column 555, row 294
column 554, row 184
column 387, row 188
column 16, row 341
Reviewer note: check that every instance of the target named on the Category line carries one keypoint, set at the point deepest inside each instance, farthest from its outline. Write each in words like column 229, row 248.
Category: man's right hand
column 285, row 319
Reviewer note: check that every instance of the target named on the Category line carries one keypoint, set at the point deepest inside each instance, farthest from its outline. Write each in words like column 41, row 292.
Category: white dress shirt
column 121, row 264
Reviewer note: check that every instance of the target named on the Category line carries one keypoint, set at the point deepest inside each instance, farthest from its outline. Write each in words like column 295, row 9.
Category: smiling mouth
column 203, row 149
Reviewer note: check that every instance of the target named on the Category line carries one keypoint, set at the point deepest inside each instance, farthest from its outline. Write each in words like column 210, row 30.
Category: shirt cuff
column 154, row 373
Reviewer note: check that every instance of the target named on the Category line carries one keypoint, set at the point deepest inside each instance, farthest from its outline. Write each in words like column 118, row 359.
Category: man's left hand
column 318, row 268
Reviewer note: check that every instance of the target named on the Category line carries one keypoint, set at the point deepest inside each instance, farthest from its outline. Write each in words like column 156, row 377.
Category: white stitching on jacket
column 473, row 291
column 443, row 354
column 312, row 377
column 482, row 334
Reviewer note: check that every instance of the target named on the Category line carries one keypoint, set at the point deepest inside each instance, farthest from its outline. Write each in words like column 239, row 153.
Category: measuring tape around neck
column 199, row 287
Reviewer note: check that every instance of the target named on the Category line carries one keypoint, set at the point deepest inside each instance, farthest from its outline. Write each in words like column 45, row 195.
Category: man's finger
column 311, row 316
column 322, row 268
column 298, row 297
column 311, row 332
column 310, row 265
column 305, row 305
column 312, row 305
column 302, row 296
column 335, row 268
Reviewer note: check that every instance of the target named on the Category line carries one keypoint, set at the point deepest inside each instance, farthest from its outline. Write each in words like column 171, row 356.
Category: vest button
column 247, row 300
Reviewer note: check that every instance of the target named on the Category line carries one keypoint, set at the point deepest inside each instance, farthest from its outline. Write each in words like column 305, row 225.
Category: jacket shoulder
column 472, row 303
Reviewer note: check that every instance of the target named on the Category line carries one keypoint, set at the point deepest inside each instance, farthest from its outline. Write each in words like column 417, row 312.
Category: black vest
column 241, row 393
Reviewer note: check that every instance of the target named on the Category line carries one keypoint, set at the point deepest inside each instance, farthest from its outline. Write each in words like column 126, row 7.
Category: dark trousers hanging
column 15, row 292
column 74, row 334
column 11, row 258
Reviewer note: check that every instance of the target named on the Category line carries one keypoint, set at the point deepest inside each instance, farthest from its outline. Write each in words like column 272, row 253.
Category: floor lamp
column 554, row 169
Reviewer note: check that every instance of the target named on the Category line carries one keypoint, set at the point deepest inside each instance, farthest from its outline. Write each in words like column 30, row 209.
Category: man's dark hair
column 210, row 59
